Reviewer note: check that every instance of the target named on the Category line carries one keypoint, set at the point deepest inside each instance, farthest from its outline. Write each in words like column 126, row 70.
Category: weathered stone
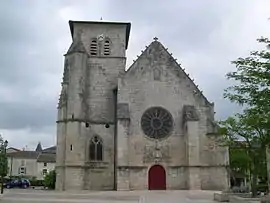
column 221, row 197
column 123, row 111
column 186, row 157
column 190, row 113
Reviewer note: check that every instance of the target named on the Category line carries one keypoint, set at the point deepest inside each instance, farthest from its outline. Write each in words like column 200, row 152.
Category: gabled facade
column 146, row 128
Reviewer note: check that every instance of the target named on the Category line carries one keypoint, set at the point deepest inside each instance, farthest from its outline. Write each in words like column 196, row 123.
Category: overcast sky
column 203, row 35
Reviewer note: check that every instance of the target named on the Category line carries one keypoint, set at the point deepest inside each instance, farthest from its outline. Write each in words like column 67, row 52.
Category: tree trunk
column 2, row 184
column 268, row 166
column 254, row 184
column 254, row 176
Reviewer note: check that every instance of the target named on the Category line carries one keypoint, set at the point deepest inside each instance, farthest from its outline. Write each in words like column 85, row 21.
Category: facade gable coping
column 180, row 69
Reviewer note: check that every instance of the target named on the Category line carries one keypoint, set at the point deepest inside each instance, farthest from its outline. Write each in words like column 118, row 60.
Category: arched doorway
column 157, row 178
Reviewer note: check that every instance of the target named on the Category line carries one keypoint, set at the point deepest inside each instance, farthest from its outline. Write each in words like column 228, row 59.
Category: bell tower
column 86, row 121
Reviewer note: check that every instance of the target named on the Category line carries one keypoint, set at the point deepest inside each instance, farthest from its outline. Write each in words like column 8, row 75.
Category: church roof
column 155, row 48
column 71, row 25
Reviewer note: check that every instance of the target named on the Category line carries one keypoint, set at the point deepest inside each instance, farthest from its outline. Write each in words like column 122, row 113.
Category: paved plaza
column 40, row 196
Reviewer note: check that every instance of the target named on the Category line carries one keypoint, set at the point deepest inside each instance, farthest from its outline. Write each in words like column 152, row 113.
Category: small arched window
column 107, row 47
column 93, row 47
column 96, row 149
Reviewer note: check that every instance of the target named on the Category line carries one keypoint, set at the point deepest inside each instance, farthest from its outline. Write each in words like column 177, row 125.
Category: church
column 145, row 128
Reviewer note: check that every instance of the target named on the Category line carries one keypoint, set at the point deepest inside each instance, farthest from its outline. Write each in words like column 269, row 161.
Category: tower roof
column 39, row 147
column 71, row 25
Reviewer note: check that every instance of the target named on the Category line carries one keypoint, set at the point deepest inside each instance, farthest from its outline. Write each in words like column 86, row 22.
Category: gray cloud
column 204, row 37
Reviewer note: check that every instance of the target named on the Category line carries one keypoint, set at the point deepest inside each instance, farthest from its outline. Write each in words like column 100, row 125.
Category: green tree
column 50, row 179
column 252, row 90
column 3, row 158
column 252, row 78
column 239, row 162
column 3, row 162
column 241, row 134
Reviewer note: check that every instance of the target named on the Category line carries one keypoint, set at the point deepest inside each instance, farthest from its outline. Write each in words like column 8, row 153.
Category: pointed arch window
column 107, row 48
column 93, row 47
column 96, row 149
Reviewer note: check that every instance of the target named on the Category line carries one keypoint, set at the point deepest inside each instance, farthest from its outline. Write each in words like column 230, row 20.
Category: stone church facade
column 149, row 127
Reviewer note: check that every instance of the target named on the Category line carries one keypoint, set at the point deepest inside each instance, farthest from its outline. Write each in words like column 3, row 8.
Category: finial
column 101, row 18
column 155, row 38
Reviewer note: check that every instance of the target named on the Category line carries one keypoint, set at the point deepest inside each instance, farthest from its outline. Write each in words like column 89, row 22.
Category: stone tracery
column 157, row 122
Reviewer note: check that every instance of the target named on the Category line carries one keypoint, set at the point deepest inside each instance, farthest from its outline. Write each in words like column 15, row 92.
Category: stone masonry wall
column 90, row 99
column 155, row 79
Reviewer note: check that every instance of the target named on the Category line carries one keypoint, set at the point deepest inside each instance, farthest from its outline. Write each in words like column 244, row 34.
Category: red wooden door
column 157, row 178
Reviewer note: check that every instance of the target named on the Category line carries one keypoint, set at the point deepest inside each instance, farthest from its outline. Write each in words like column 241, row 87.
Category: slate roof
column 50, row 149
column 47, row 157
column 24, row 154
column 39, row 147
column 15, row 149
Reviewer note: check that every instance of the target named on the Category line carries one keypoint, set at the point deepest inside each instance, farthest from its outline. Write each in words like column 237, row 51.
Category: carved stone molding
column 156, row 154
column 190, row 113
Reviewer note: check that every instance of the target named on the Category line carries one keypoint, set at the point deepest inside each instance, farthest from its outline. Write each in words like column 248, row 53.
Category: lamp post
column 4, row 151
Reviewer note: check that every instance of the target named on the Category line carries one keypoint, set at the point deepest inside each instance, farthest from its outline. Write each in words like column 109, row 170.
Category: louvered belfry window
column 107, row 50
column 93, row 47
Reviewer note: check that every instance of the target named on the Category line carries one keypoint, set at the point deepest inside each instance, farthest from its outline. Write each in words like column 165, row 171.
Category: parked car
column 22, row 183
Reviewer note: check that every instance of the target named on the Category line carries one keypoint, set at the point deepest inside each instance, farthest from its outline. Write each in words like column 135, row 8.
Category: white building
column 31, row 164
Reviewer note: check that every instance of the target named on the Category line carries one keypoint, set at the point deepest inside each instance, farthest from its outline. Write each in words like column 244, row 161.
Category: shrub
column 49, row 180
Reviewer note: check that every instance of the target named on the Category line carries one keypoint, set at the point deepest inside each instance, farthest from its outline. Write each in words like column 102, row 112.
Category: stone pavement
column 41, row 196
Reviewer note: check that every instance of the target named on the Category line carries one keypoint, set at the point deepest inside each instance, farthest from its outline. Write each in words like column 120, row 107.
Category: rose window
column 157, row 122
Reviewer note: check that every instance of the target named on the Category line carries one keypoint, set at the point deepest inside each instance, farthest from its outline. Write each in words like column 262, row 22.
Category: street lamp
column 5, row 162
column 5, row 146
